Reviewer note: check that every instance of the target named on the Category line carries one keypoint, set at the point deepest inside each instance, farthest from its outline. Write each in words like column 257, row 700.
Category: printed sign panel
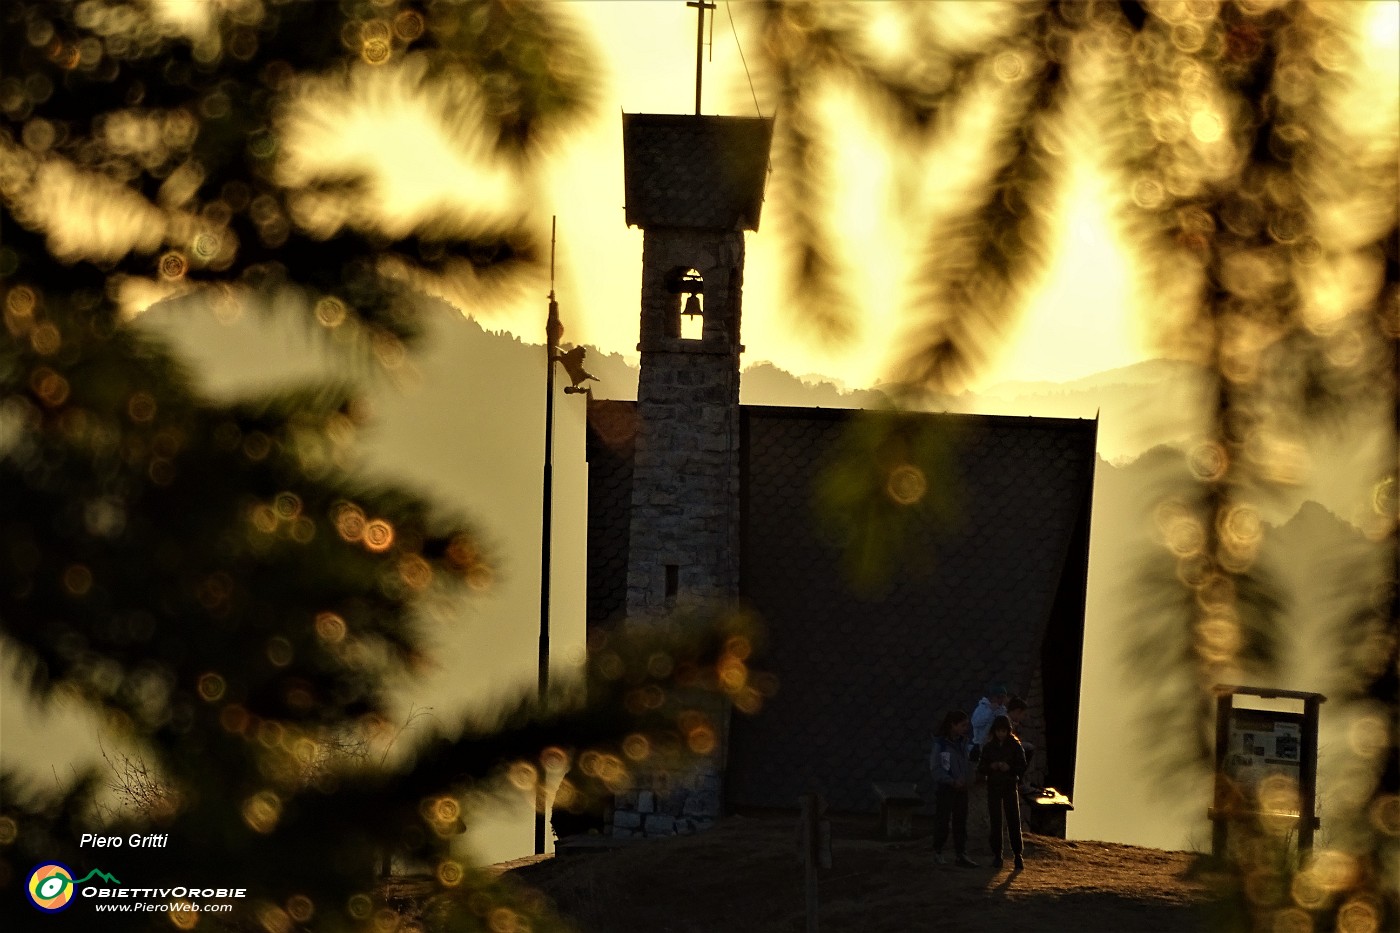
column 1262, row 744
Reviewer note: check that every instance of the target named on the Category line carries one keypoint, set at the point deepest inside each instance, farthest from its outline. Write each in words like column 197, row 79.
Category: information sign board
column 1263, row 743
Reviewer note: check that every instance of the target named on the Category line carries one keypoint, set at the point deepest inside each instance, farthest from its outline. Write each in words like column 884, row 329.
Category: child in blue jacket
column 952, row 775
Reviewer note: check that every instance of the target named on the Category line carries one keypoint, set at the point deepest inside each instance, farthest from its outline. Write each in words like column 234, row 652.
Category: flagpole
column 553, row 331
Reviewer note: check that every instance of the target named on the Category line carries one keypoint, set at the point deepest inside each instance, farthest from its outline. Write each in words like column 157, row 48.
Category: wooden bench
column 1045, row 811
column 899, row 802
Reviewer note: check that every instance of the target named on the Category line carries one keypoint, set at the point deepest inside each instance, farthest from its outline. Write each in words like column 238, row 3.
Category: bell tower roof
column 693, row 171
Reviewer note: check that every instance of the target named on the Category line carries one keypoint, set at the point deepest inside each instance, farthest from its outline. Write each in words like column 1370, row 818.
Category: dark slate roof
column 694, row 171
column 865, row 678
column 609, row 447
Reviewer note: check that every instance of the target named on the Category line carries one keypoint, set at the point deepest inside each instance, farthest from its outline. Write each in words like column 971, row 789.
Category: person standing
column 992, row 705
column 1016, row 709
column 1002, row 763
column 952, row 773
column 988, row 708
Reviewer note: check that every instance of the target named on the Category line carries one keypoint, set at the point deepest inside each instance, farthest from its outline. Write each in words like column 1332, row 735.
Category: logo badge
column 51, row 887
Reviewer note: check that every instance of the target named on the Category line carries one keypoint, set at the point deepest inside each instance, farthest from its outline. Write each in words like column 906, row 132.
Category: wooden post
column 1219, row 818
column 1307, row 779
column 813, row 850
column 809, row 858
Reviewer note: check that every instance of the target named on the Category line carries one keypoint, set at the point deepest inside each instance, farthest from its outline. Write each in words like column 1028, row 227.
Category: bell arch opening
column 688, row 318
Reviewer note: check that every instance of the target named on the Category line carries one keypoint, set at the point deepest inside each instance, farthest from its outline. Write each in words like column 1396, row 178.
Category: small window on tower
column 673, row 581
column 693, row 307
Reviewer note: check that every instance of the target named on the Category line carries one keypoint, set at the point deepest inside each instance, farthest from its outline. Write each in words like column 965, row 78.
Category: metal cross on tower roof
column 700, row 7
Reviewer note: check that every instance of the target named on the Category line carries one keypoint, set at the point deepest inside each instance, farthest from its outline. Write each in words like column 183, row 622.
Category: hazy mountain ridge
column 767, row 384
column 1139, row 407
column 1153, row 371
column 1145, row 423
column 1315, row 520
column 1163, row 470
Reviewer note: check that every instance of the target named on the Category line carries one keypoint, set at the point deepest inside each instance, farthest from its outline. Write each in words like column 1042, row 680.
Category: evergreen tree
column 208, row 575
column 1252, row 200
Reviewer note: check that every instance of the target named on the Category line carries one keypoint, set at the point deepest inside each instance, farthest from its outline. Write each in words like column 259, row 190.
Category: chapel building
column 694, row 498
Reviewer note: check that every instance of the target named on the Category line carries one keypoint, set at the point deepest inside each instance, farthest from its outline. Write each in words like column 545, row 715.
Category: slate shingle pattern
column 865, row 677
column 864, row 680
column 701, row 172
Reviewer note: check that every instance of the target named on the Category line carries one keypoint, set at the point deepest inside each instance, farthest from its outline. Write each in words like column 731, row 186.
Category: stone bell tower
column 694, row 184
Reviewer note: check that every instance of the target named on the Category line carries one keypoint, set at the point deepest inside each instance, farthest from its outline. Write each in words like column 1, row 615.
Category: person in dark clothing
column 1002, row 763
column 952, row 773
column 1016, row 711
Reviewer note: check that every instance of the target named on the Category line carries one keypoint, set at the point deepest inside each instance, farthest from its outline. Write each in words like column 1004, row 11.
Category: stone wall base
column 667, row 805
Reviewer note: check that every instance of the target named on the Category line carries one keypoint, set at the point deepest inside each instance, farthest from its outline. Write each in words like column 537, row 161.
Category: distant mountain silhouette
column 1139, row 406
column 766, row 384
column 1145, row 410
column 760, row 384
column 1314, row 521
column 1331, row 569
column 1147, row 372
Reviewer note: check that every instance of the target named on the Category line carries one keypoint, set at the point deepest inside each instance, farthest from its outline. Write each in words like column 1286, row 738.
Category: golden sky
column 1088, row 313
column 1077, row 329
column 1076, row 325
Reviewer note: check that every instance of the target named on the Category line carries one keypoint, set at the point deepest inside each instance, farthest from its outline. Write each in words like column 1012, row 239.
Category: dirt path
column 744, row 876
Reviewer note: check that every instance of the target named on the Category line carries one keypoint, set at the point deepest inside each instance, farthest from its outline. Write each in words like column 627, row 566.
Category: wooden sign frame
column 1253, row 746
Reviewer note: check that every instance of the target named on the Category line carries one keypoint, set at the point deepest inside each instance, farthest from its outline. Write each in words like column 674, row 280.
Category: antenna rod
column 700, row 7
column 553, row 225
column 699, row 37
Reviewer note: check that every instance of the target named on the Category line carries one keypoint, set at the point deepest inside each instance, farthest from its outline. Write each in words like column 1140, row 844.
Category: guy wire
column 733, row 29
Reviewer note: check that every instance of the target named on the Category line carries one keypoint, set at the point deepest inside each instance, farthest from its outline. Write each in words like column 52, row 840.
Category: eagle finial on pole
column 573, row 365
